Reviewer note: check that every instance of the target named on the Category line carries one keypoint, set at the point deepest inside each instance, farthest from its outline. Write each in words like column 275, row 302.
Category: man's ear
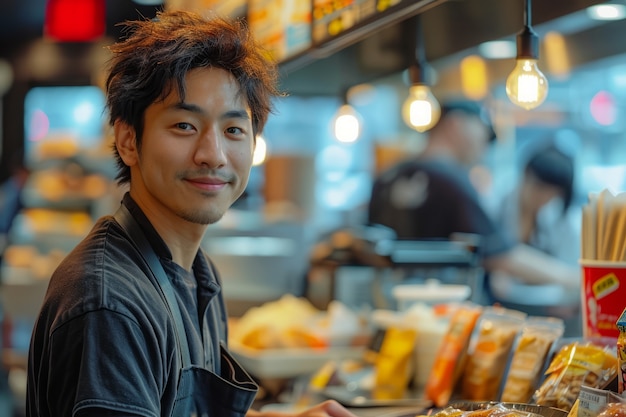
column 125, row 142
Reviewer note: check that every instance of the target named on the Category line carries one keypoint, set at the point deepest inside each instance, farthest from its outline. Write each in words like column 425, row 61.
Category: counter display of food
column 489, row 358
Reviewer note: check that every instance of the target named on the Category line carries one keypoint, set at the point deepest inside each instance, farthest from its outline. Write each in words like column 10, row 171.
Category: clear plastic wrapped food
column 451, row 356
column 574, row 365
column 491, row 346
column 529, row 357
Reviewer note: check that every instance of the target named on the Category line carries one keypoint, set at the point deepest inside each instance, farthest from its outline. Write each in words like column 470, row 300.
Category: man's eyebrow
column 236, row 114
column 231, row 114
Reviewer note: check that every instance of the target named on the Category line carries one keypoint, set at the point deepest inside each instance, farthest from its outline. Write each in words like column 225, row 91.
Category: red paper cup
column 603, row 297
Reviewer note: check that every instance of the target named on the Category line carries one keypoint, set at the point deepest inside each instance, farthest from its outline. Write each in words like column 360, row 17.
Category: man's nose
column 211, row 149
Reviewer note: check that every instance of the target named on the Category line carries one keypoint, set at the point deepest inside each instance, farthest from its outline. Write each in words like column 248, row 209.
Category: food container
column 431, row 324
column 529, row 408
column 603, row 295
column 431, row 292
column 485, row 409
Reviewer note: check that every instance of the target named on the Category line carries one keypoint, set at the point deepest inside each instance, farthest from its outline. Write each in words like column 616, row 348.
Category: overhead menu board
column 282, row 26
column 298, row 31
column 333, row 17
column 232, row 8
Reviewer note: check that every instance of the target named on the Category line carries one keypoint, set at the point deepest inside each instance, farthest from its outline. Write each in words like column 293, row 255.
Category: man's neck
column 183, row 238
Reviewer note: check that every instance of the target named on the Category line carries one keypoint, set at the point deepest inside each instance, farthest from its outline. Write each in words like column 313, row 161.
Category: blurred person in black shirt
column 431, row 197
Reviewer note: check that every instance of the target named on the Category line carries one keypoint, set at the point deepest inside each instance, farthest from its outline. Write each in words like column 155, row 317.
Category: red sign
column 75, row 20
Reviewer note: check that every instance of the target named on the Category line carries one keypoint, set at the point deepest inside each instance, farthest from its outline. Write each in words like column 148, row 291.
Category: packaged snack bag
column 451, row 356
column 529, row 357
column 621, row 353
column 488, row 354
column 393, row 367
column 574, row 365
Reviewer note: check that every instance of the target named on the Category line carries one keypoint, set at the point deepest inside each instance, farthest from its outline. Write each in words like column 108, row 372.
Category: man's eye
column 234, row 130
column 184, row 126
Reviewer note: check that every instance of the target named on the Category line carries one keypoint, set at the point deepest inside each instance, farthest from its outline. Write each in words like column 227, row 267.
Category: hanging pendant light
column 526, row 86
column 347, row 122
column 421, row 110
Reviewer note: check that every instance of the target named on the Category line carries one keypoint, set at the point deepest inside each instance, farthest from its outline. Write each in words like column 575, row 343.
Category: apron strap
column 130, row 225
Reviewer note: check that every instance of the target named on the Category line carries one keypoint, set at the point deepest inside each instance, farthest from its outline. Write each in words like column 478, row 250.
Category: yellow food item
column 574, row 410
column 529, row 357
column 392, row 367
column 259, row 337
column 573, row 366
column 277, row 324
column 483, row 374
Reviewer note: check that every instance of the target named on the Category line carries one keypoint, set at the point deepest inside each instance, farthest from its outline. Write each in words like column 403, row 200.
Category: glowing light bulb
column 347, row 124
column 260, row 151
column 421, row 110
column 526, row 86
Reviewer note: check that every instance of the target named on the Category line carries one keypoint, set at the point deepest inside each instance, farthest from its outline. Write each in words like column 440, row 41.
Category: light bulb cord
column 528, row 13
column 418, row 68
column 344, row 95
column 527, row 39
column 420, row 49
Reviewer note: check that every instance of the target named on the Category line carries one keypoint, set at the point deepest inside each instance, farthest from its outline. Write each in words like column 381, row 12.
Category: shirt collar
column 207, row 281
column 158, row 244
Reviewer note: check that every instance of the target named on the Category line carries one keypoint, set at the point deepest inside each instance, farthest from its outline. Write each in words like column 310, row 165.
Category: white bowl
column 429, row 293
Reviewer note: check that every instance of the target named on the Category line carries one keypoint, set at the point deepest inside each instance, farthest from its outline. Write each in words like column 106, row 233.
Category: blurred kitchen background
column 307, row 184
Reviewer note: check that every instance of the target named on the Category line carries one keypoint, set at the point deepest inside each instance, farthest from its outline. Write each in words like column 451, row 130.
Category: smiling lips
column 208, row 184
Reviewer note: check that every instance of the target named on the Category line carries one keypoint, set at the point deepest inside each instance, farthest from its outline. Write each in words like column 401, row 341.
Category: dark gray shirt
column 432, row 199
column 104, row 342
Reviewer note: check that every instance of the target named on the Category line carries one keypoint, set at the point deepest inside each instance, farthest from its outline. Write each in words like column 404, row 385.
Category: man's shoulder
column 105, row 242
column 103, row 267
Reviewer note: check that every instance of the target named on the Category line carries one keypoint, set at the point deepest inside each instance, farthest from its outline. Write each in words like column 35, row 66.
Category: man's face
column 196, row 155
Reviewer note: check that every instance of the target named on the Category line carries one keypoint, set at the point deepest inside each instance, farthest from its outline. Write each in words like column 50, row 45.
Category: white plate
column 355, row 399
column 289, row 362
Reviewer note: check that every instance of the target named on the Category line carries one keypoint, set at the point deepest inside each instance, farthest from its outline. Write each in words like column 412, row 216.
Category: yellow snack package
column 393, row 365
column 574, row 365
column 488, row 355
column 529, row 357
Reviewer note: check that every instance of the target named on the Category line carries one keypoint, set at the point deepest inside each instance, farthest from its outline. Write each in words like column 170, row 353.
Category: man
column 133, row 323
column 432, row 197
